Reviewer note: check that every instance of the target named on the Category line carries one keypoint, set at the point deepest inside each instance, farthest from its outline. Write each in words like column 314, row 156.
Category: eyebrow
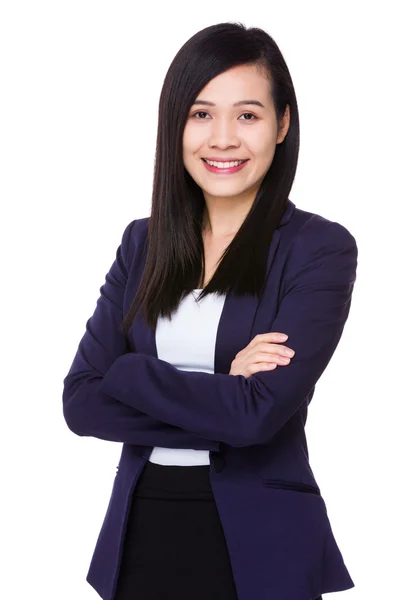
column 240, row 103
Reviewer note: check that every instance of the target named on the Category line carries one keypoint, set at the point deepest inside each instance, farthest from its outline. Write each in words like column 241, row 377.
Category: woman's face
column 216, row 129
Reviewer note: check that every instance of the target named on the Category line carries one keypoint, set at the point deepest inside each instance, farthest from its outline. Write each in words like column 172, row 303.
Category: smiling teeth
column 224, row 165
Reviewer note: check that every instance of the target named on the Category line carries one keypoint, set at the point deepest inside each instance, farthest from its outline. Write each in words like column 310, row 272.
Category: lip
column 227, row 171
column 223, row 159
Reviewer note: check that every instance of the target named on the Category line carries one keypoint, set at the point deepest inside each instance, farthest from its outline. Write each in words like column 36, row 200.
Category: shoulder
column 308, row 229
column 318, row 248
column 133, row 238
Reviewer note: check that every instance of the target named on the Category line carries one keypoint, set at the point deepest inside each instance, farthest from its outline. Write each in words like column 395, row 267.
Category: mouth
column 222, row 163
column 224, row 168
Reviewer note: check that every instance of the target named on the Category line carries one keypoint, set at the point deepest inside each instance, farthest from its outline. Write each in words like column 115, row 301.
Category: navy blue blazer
column 274, row 518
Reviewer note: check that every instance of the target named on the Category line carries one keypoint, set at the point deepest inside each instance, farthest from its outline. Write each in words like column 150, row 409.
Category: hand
column 263, row 353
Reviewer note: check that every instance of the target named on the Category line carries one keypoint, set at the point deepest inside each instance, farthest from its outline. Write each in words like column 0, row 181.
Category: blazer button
column 219, row 463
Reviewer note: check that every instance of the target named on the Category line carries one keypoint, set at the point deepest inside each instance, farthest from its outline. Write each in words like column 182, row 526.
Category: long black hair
column 175, row 253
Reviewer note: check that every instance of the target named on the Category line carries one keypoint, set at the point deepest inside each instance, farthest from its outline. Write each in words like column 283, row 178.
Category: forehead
column 236, row 84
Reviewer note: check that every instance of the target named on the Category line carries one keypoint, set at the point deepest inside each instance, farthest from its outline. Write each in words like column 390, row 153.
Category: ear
column 284, row 126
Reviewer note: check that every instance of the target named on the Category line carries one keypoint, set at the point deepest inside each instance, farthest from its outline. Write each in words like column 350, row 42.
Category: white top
column 188, row 343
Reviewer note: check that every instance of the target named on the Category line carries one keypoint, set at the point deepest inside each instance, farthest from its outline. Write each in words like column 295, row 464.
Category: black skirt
column 174, row 546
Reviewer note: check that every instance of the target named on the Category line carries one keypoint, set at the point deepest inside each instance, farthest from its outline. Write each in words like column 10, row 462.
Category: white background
column 80, row 85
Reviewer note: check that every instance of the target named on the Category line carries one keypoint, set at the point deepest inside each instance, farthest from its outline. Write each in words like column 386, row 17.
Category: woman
column 214, row 495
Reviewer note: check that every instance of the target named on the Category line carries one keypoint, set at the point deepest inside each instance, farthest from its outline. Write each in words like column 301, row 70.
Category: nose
column 222, row 134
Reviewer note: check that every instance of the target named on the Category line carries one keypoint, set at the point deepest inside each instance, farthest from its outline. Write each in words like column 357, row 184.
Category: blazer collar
column 287, row 214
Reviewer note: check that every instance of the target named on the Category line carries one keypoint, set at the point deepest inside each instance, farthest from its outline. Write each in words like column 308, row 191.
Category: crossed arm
column 87, row 409
column 120, row 395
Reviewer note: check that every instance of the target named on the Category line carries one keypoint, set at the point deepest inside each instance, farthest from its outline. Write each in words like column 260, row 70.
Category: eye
column 200, row 112
column 254, row 117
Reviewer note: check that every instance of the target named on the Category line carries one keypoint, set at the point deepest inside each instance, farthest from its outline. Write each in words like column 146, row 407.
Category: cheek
column 265, row 149
column 191, row 139
column 258, row 141
column 267, row 153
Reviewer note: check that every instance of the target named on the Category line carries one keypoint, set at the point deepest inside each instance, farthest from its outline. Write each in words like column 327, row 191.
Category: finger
column 258, row 367
column 272, row 358
column 277, row 349
column 272, row 335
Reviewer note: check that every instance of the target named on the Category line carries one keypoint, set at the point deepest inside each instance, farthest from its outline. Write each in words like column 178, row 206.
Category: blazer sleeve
column 87, row 409
column 319, row 277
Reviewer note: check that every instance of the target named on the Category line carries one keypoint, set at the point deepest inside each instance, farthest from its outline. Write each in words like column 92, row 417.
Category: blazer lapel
column 240, row 320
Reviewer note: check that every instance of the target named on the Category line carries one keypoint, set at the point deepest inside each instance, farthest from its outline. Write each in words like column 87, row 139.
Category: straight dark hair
column 175, row 252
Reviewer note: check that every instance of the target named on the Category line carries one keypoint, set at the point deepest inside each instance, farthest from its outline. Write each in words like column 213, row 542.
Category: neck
column 222, row 218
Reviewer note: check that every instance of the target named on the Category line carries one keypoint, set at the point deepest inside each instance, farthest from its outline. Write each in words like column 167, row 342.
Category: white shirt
column 188, row 342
